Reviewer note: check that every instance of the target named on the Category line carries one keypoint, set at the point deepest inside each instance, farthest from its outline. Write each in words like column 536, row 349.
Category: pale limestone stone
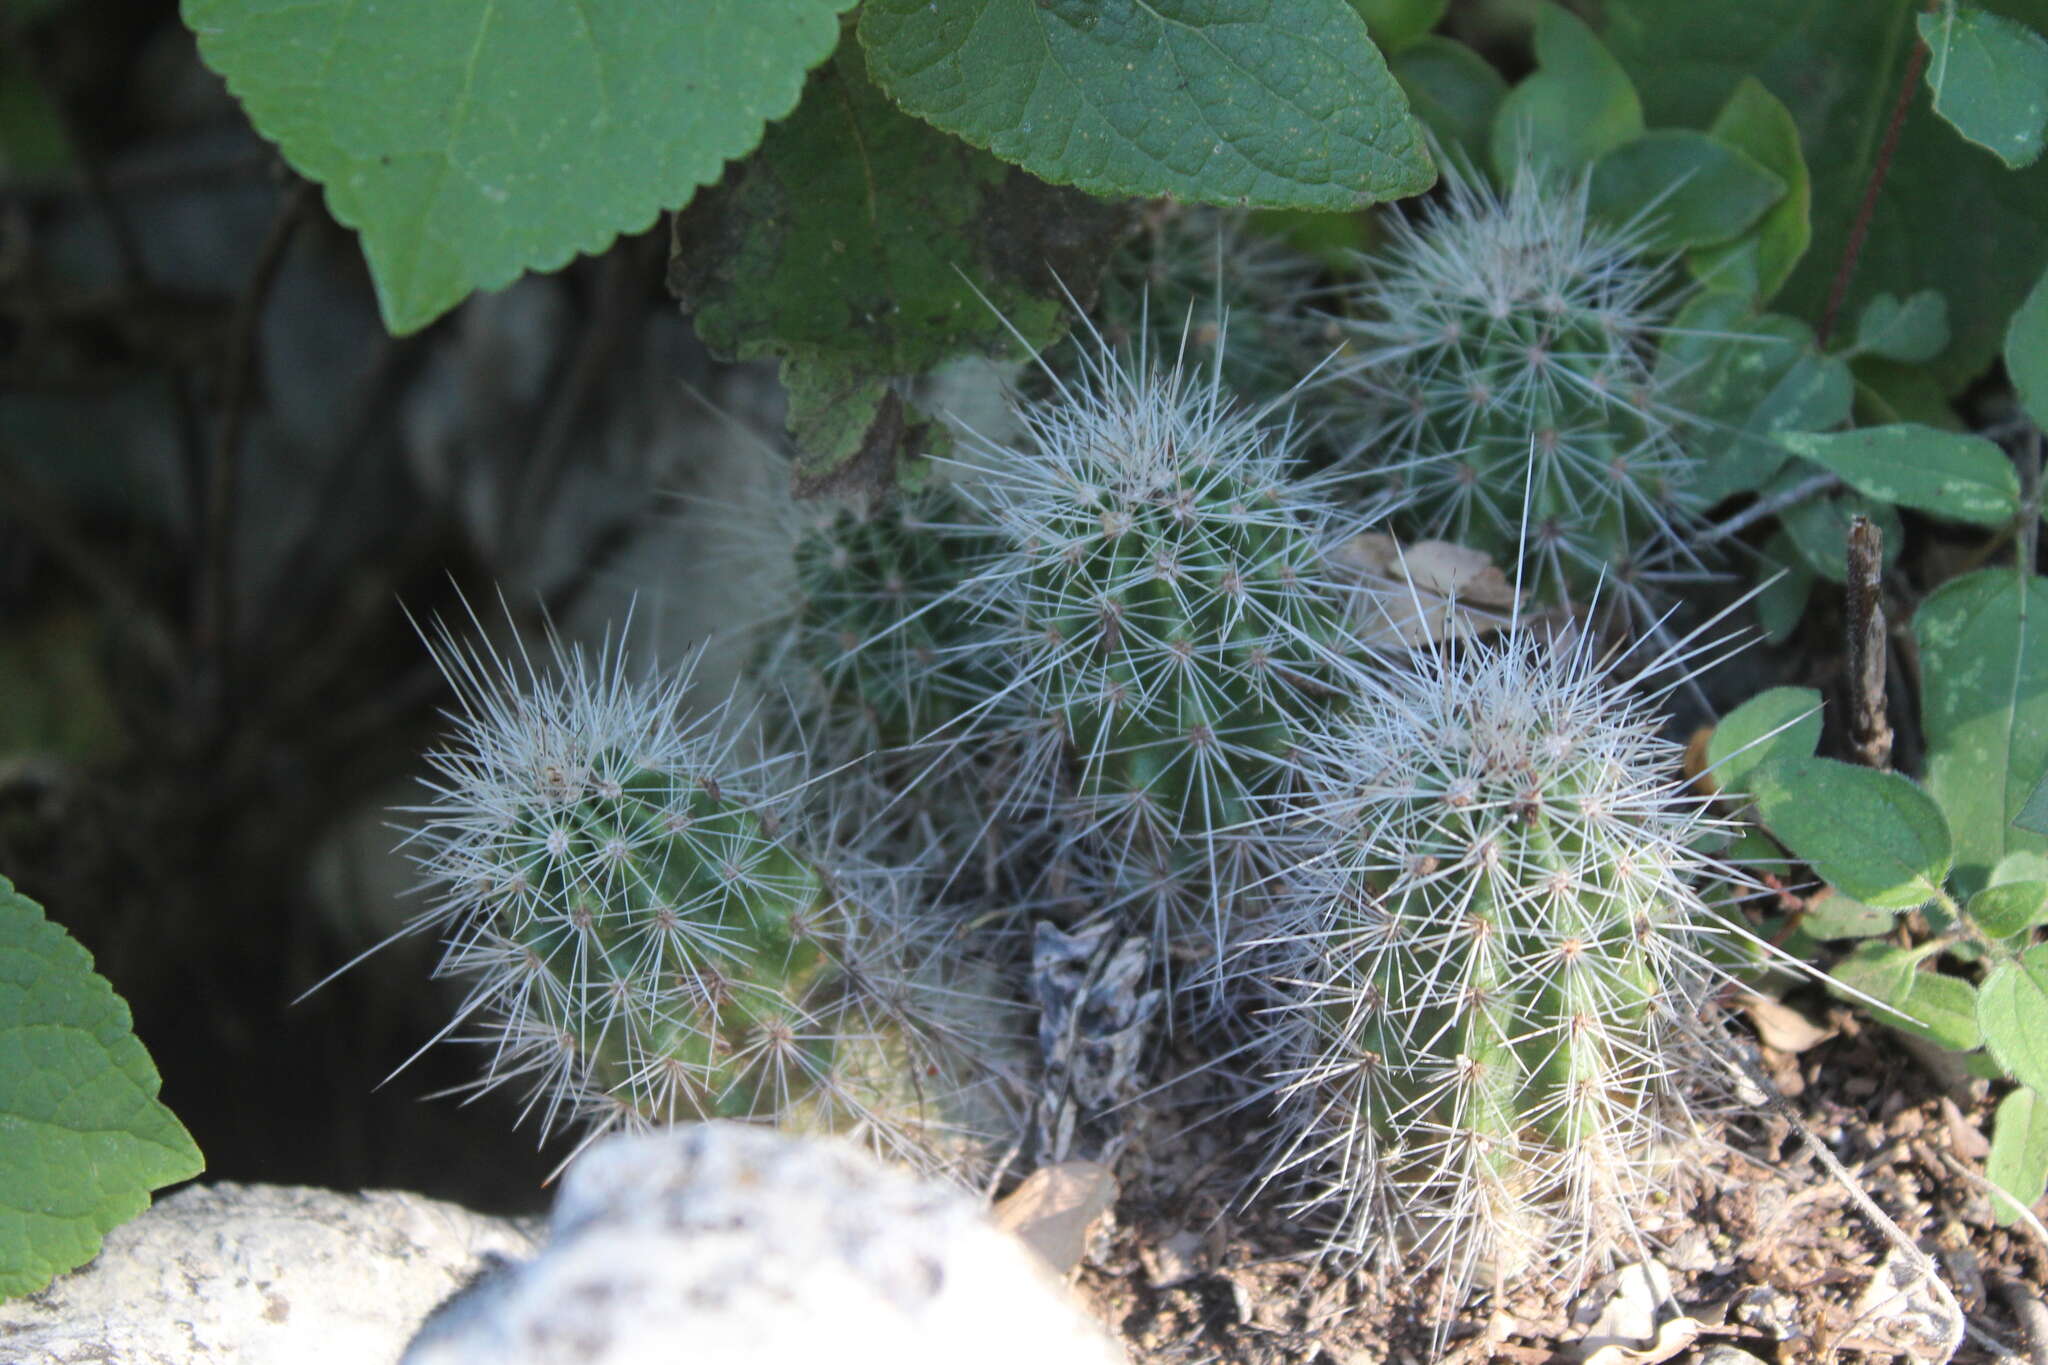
column 231, row 1274
column 720, row 1244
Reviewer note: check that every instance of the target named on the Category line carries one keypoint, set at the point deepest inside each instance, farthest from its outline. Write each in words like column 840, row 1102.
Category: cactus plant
column 1498, row 367
column 649, row 936
column 1492, row 962
column 1162, row 595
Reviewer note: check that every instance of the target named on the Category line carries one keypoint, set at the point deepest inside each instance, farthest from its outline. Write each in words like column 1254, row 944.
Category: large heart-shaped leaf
column 471, row 140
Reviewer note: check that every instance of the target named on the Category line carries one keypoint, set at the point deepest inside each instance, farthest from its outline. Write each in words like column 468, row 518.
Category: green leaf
column 1984, row 708
column 1686, row 188
column 2012, row 1009
column 2026, row 351
column 1952, row 216
column 1989, row 78
column 1945, row 473
column 1747, row 378
column 1943, row 1010
column 1784, row 587
column 2024, row 866
column 1576, row 105
column 1454, row 91
column 1914, row 331
column 2018, row 1163
column 1397, row 25
column 1756, row 122
column 1839, row 916
column 1881, row 971
column 2033, row 816
column 85, row 1138
column 1817, row 530
column 468, row 141
column 1263, row 103
column 1871, row 835
column 2009, row 908
column 1783, row 722
column 853, row 244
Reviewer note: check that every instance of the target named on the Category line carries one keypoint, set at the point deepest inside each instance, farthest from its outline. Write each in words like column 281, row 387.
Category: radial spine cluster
column 1488, row 963
column 1498, row 371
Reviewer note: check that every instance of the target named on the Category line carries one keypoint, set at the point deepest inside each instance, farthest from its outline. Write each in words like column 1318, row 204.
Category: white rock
column 720, row 1244
column 258, row 1275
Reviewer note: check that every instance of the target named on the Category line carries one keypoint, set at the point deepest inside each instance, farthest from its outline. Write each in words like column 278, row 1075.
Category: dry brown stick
column 2032, row 1314
column 1870, row 734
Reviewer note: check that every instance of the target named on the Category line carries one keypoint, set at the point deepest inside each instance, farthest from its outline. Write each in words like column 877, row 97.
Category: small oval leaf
column 1783, row 722
column 2008, row 909
column 2018, row 1163
column 1872, row 835
column 2012, row 1010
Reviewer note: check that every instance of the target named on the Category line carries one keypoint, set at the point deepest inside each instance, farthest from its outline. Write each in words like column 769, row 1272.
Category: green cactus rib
column 1498, row 374
column 1497, row 941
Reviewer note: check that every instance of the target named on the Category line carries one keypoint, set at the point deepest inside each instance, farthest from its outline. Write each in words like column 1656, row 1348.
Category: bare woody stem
column 1859, row 230
column 1870, row 734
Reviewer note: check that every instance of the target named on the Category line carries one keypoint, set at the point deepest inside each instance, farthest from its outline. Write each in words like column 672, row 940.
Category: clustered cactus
column 1455, row 889
column 1498, row 370
column 1489, row 959
column 651, row 936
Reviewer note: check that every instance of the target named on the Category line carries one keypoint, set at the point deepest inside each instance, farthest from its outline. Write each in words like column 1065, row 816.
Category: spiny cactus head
column 1493, row 952
column 650, row 932
column 1163, row 595
column 1499, row 373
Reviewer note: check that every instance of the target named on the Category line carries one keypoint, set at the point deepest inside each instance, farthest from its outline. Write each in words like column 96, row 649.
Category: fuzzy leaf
column 86, row 1139
column 1872, row 835
column 1783, row 722
column 468, row 141
column 1989, row 77
column 1984, row 706
column 1785, row 584
column 1943, row 1010
column 2033, row 814
column 2009, row 908
column 2018, row 1163
column 2012, row 1010
column 1756, row 122
column 1453, row 90
column 853, row 246
column 1576, row 105
column 1914, row 331
column 1839, row 916
column 2026, row 351
column 1944, row 473
column 1688, row 188
column 1952, row 216
column 1396, row 25
column 1259, row 102
column 1881, row 971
